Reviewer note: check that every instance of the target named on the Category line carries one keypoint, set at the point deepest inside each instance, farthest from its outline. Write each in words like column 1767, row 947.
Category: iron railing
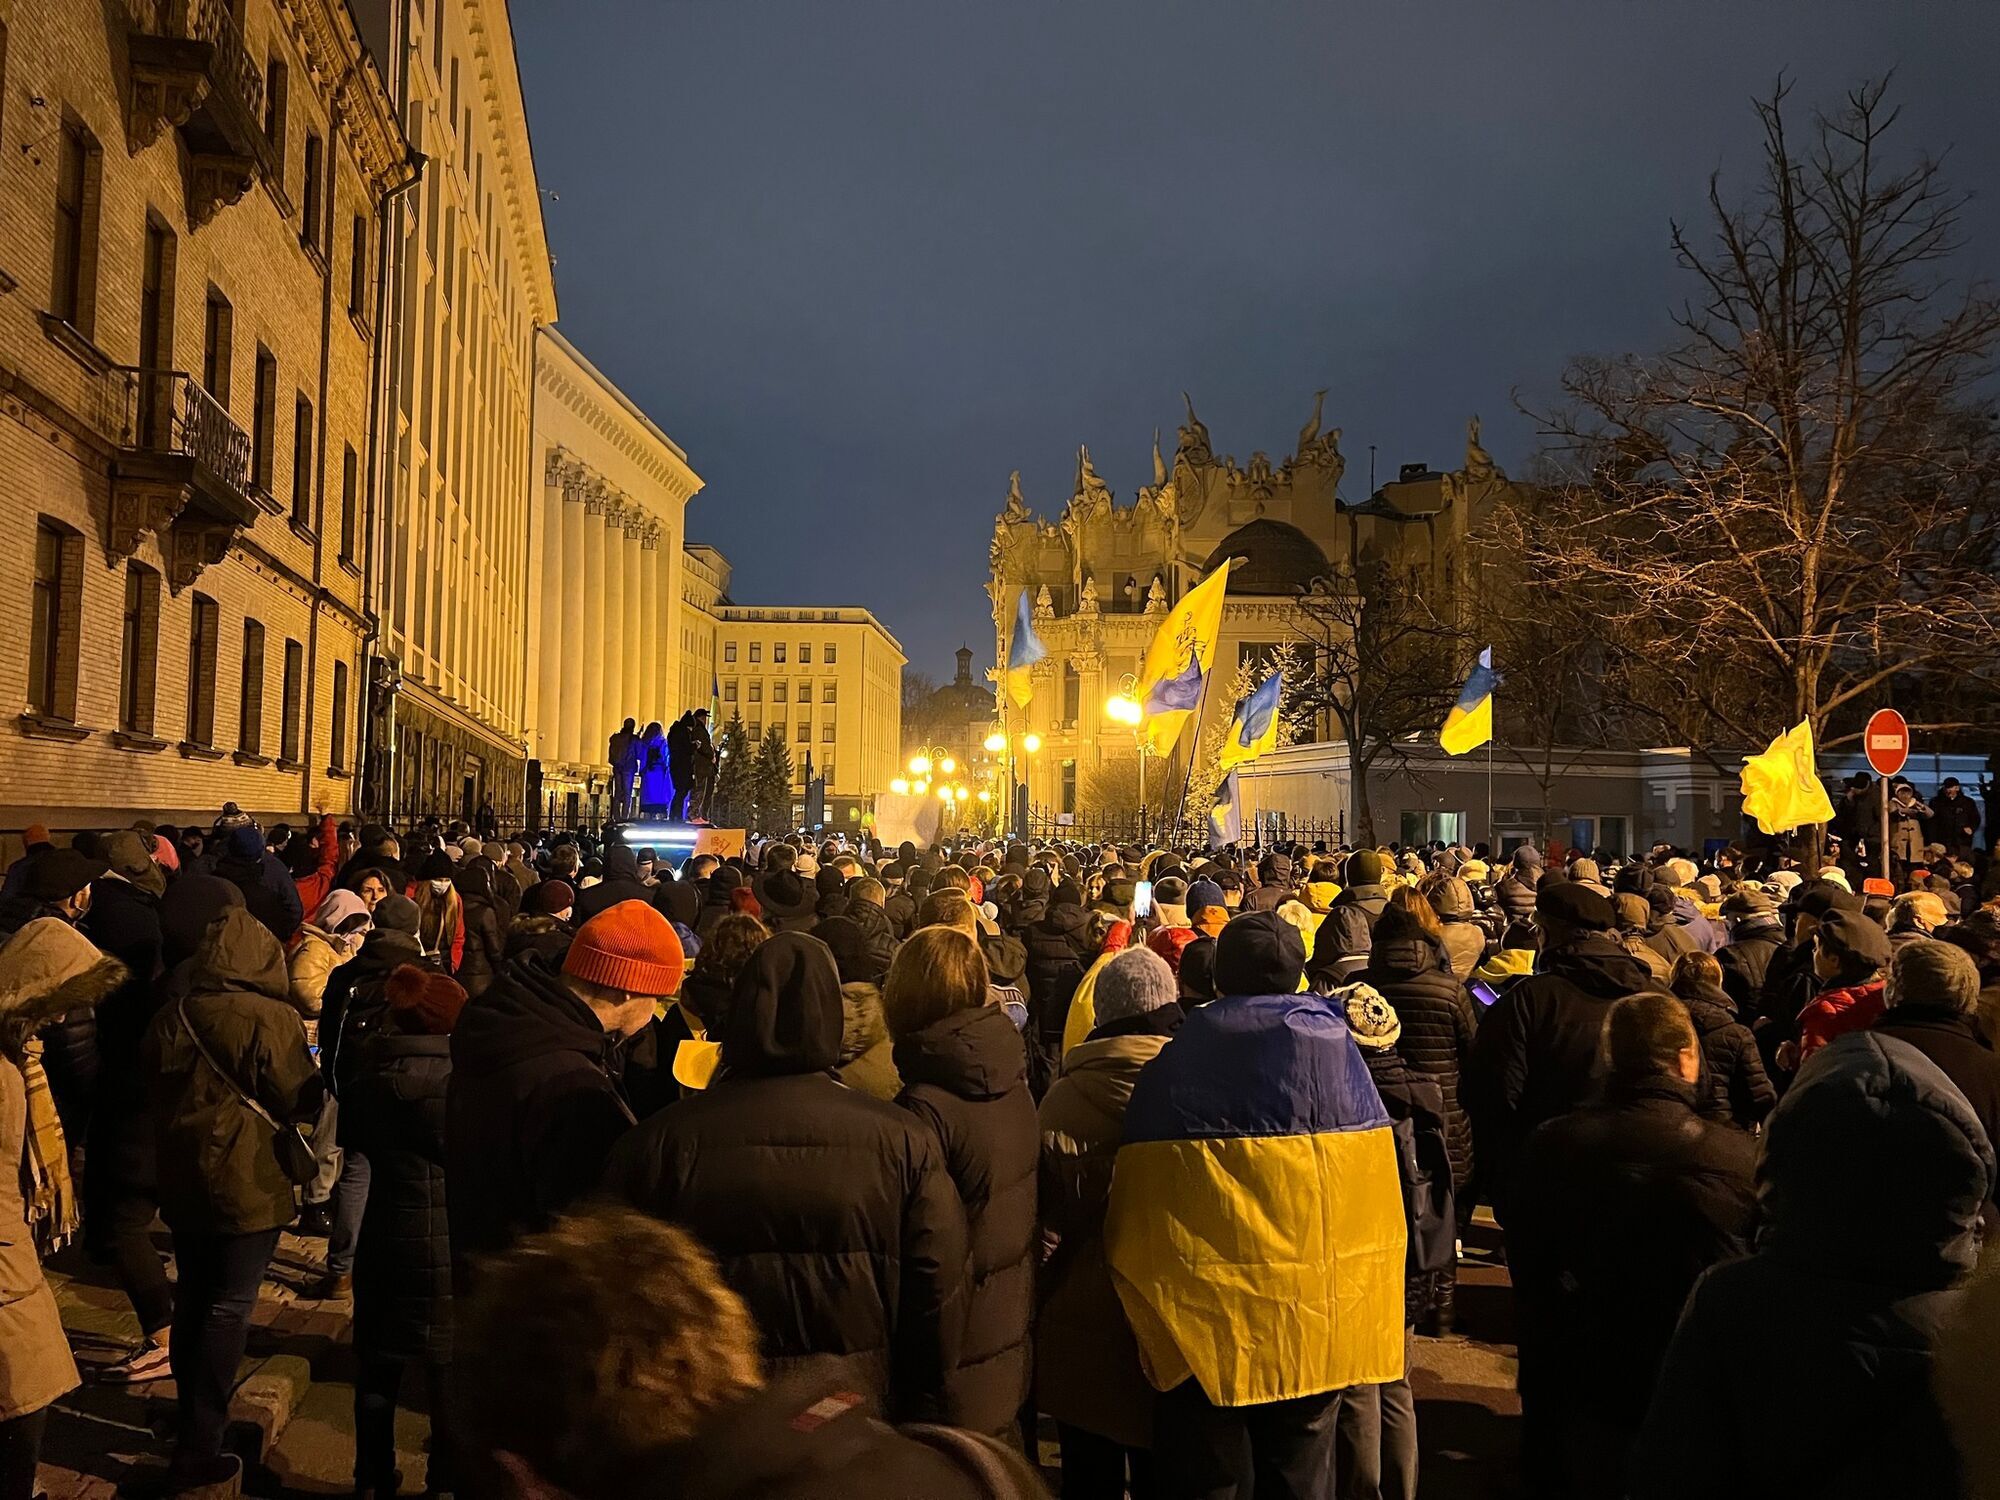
column 168, row 411
column 210, row 22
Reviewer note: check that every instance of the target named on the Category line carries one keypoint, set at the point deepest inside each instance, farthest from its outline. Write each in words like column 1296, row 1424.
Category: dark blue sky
column 862, row 259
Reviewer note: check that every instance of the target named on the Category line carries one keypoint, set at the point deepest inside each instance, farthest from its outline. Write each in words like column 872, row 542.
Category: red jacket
column 317, row 882
column 1168, row 943
column 1837, row 1012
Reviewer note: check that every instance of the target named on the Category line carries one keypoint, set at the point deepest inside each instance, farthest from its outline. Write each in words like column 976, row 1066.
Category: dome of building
column 1278, row 558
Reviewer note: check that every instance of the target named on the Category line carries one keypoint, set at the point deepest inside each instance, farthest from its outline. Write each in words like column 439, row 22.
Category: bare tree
column 1385, row 666
column 1794, row 507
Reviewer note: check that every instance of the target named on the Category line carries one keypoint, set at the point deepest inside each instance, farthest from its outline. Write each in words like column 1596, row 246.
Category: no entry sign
column 1887, row 740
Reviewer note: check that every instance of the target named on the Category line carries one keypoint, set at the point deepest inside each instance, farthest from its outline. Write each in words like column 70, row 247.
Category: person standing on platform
column 704, row 769
column 655, row 786
column 623, row 754
column 680, row 765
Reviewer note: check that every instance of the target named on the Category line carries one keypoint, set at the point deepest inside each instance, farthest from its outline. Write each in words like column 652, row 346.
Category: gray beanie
column 1134, row 982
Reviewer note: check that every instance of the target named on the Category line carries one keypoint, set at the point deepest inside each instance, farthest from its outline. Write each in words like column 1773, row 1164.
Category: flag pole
column 1194, row 750
column 1492, row 844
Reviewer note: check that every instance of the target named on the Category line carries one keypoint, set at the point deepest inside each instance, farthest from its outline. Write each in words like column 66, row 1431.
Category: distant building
column 1101, row 577
column 189, row 200
column 605, row 636
column 956, row 718
column 470, row 282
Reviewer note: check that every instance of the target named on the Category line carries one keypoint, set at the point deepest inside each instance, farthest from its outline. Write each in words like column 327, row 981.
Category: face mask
column 440, row 886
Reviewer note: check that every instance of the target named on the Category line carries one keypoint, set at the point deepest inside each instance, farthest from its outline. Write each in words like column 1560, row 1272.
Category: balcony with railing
column 191, row 71
column 182, row 473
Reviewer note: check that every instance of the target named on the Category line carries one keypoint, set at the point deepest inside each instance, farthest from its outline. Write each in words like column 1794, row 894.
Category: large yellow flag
column 1178, row 662
column 1781, row 787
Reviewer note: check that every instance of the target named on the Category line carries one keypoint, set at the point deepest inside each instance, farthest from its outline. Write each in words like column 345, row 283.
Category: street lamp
column 1123, row 707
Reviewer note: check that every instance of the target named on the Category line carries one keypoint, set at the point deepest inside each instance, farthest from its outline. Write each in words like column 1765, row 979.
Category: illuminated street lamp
column 1124, row 707
column 1031, row 743
column 900, row 787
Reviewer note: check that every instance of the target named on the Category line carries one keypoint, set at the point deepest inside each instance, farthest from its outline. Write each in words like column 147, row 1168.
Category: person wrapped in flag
column 1023, row 651
column 1470, row 722
column 1256, row 1228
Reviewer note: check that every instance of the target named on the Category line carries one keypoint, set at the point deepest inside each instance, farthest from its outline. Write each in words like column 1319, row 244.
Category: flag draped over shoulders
column 1256, row 1228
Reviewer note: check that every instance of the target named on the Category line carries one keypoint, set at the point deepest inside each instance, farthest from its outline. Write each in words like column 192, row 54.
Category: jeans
column 219, row 1277
column 1094, row 1467
column 1279, row 1450
column 20, row 1448
column 350, row 1201
column 377, row 1382
column 1375, row 1444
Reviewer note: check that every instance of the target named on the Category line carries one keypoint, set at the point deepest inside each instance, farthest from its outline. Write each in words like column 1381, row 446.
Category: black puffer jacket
column 1514, row 893
column 1343, row 939
column 1536, row 1053
column 1869, row 1191
column 547, row 937
column 1412, row 973
column 393, row 1112
column 1619, row 1206
column 1734, row 1085
column 967, row 1077
column 356, row 1004
column 124, row 922
column 830, row 1213
column 485, row 924
column 621, row 882
column 534, row 1107
column 1060, row 947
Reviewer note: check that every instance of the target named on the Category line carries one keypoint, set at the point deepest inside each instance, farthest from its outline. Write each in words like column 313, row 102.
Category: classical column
column 638, row 639
column 570, row 588
column 547, row 637
column 616, row 641
column 655, row 688
column 588, row 657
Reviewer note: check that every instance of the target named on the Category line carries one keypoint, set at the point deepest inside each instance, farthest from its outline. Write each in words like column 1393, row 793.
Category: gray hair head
column 1927, row 972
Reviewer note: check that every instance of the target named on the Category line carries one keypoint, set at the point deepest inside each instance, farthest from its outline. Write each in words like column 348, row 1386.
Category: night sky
column 861, row 259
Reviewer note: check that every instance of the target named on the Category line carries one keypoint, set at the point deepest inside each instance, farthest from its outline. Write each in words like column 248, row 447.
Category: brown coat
column 1086, row 1360
column 35, row 1363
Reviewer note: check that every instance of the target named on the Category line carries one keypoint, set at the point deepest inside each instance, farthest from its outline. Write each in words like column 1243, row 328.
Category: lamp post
column 1123, row 708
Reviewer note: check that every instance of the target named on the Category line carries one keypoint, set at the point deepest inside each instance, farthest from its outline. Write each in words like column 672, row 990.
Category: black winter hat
column 1572, row 905
column 1660, row 899
column 1259, row 953
column 436, row 866
column 1364, row 867
column 60, row 874
column 395, row 913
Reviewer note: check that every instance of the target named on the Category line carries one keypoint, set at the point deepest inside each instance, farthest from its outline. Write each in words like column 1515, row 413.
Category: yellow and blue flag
column 1256, row 726
column 1256, row 1231
column 1470, row 722
column 1225, row 819
column 1178, row 661
column 1023, row 651
column 1781, row 787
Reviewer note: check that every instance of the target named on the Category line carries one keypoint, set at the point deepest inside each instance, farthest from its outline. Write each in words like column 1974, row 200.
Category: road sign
column 1887, row 740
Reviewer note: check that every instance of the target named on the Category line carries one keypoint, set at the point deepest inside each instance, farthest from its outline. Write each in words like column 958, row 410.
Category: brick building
column 189, row 199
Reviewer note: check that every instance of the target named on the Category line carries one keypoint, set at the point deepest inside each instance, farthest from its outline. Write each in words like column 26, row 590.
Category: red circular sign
column 1887, row 740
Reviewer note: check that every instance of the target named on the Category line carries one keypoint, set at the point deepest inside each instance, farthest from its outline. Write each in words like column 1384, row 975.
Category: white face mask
column 440, row 886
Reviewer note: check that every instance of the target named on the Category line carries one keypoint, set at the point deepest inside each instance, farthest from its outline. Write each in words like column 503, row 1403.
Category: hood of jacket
column 1373, row 899
column 47, row 970
column 527, row 1012
column 1006, row 957
column 621, row 863
column 861, row 1021
column 1874, row 1168
column 1103, row 1069
column 1598, row 964
column 239, row 953
column 785, row 1013
column 974, row 1053
column 1319, row 895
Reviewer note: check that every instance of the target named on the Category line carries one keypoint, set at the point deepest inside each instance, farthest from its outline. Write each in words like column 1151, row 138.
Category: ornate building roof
column 1278, row 558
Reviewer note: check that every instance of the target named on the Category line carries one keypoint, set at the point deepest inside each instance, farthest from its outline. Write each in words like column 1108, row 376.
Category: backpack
column 1425, row 1162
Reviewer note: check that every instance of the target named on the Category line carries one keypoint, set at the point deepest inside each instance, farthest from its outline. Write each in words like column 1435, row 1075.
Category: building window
column 275, row 82
column 204, row 636
column 778, row 652
column 218, row 332
column 311, row 231
column 805, row 653
column 263, row 419
column 756, row 651
column 729, row 651
column 778, row 692
column 826, row 691
column 1068, row 786
column 350, row 484
column 156, row 333
column 302, row 461
column 828, row 659
column 826, row 732
column 757, row 691
column 139, row 660
column 729, row 691
column 756, row 732
column 250, row 700
column 357, row 270
column 337, row 752
column 805, row 692
column 73, row 295
column 54, row 620
column 293, row 690
column 1072, row 696
column 805, row 731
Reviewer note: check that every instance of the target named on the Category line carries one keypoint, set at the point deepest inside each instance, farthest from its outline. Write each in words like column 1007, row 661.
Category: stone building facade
column 459, row 482
column 605, row 637
column 1102, row 577
column 189, row 199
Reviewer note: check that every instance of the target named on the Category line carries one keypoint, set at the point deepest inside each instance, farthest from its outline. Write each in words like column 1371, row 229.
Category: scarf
column 50, row 1196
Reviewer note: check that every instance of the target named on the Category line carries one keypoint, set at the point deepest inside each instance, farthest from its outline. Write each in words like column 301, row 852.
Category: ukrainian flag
column 1256, row 726
column 1178, row 661
column 1255, row 1232
column 1781, row 787
column 1225, row 819
column 1022, row 653
column 1470, row 722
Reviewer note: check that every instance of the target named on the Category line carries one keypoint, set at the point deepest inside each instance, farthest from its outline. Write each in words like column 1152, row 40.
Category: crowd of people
column 835, row 1169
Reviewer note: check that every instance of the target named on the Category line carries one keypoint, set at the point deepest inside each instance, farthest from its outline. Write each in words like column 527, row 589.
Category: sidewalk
column 101, row 1437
